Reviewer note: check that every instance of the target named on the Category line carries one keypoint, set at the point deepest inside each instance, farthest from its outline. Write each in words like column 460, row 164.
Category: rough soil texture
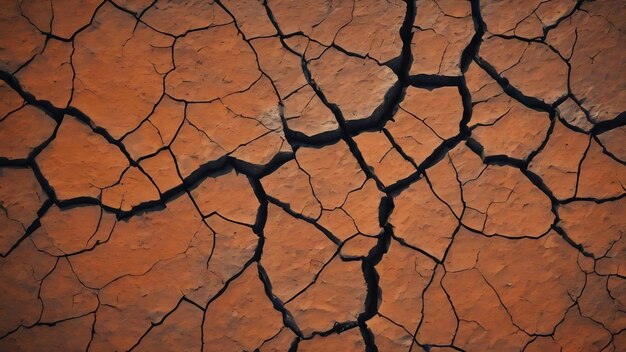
column 304, row 175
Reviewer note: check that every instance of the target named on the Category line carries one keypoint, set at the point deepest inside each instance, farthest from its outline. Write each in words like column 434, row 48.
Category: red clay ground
column 237, row 175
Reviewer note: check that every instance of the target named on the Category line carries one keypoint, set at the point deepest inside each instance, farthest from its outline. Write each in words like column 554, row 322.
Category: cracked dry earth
column 236, row 175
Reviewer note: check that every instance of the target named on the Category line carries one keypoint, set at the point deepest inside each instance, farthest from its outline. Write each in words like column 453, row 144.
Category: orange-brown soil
column 305, row 175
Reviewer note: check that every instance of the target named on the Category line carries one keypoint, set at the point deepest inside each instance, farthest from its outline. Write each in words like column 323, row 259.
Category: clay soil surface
column 306, row 175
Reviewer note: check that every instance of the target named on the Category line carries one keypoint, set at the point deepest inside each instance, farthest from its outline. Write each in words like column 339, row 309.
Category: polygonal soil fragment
column 389, row 336
column 68, row 335
column 192, row 149
column 472, row 297
column 52, row 66
column 467, row 165
column 441, row 109
column 357, row 86
column 363, row 206
column 339, row 223
column 63, row 296
column 482, row 88
column 308, row 49
column 24, row 130
column 404, row 275
column 162, row 170
column 600, row 175
column 72, row 230
column 232, row 320
column 612, row 263
column 294, row 253
column 20, row 280
column 501, row 125
column 507, row 203
column 167, row 118
column 235, row 245
column 442, row 30
column 138, row 243
column 382, row 158
column 178, row 18
column 416, row 139
column 439, row 322
column 306, row 113
column 251, row 20
column 120, row 65
column 516, row 134
column 333, row 171
column 595, row 226
column 133, row 189
column 337, row 296
column 228, row 194
column 604, row 303
column 197, row 273
column 21, row 197
column 21, row 40
column 359, row 246
column 532, row 68
column 445, row 184
column 613, row 142
column 571, row 113
column 374, row 30
column 428, row 224
column 282, row 66
column 558, row 162
column 79, row 162
column 259, row 154
column 201, row 73
column 579, row 333
column 521, row 18
column 181, row 330
column 38, row 13
column 501, row 264
column 157, row 131
column 291, row 186
column 591, row 38
column 143, row 141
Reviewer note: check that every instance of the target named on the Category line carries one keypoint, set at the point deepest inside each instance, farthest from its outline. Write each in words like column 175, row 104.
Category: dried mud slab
column 333, row 171
column 336, row 297
column 357, row 86
column 119, row 60
column 590, row 40
column 80, row 162
column 367, row 28
column 231, row 321
column 532, row 68
column 22, row 198
column 22, row 40
column 199, row 53
column 442, row 31
column 291, row 268
column 299, row 175
column 432, row 231
column 23, row 131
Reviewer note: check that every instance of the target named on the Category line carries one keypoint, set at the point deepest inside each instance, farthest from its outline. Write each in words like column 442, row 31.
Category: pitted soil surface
column 304, row 175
